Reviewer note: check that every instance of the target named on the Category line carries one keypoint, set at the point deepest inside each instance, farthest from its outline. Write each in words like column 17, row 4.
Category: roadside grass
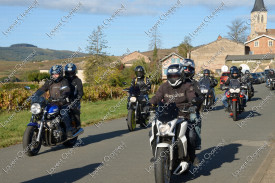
column 91, row 112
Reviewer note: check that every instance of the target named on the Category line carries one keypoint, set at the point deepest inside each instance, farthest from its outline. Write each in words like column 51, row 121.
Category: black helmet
column 70, row 70
column 233, row 67
column 140, row 72
column 56, row 69
column 206, row 71
column 189, row 67
column 234, row 71
column 175, row 74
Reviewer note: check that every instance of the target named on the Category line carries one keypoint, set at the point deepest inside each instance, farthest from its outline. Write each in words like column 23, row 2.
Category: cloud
column 133, row 7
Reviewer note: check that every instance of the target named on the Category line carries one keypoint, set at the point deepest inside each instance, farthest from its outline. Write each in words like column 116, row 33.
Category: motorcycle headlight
column 235, row 90
column 133, row 99
column 35, row 108
column 204, row 91
column 164, row 129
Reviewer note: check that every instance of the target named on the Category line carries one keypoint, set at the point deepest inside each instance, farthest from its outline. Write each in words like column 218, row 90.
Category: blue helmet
column 56, row 69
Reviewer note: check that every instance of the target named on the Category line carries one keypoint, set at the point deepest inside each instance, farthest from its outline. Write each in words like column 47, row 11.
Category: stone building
column 212, row 56
column 132, row 57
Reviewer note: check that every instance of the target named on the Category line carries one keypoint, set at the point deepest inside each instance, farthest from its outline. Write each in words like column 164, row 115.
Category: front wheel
column 131, row 120
column 234, row 110
column 30, row 146
column 162, row 172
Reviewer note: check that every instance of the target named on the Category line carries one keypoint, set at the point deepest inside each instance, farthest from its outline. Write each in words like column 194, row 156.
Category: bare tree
column 155, row 42
column 237, row 31
column 97, row 43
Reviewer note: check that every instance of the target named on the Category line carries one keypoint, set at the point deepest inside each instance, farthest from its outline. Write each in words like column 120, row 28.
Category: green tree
column 97, row 43
column 185, row 47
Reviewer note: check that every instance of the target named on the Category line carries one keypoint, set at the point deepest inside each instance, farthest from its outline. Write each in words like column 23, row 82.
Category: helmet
column 233, row 67
column 206, row 71
column 233, row 73
column 175, row 75
column 70, row 70
column 140, row 72
column 188, row 67
column 56, row 69
column 271, row 71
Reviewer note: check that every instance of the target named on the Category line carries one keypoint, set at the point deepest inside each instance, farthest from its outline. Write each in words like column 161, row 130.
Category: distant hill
column 19, row 52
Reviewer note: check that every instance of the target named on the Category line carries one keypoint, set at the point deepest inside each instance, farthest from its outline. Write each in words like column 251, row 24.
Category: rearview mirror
column 124, row 83
column 27, row 87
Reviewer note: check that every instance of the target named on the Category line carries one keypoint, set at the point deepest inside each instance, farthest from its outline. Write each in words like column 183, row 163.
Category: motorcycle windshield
column 234, row 83
column 134, row 91
column 167, row 112
column 204, row 83
column 37, row 97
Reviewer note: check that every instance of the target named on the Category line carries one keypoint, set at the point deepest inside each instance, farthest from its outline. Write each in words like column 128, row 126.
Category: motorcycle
column 248, row 90
column 271, row 83
column 209, row 98
column 137, row 111
column 169, row 144
column 235, row 96
column 46, row 126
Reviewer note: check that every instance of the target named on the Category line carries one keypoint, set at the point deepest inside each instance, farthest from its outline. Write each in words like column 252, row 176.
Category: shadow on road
column 208, row 162
column 254, row 99
column 71, row 175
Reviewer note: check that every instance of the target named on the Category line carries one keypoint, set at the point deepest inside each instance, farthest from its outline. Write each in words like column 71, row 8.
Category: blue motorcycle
column 46, row 126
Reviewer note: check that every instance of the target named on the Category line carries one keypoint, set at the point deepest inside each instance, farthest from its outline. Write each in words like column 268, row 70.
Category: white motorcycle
column 169, row 144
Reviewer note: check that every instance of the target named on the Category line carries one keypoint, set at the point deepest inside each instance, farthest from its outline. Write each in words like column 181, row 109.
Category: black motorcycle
column 46, row 126
column 138, row 111
column 206, row 90
column 235, row 97
column 271, row 83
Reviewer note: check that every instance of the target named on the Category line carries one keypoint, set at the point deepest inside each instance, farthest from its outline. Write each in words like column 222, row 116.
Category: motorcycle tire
column 29, row 139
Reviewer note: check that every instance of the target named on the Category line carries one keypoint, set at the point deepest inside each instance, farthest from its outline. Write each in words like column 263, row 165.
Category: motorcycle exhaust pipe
column 79, row 132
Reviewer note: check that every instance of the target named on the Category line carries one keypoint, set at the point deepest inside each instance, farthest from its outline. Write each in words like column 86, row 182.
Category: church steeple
column 258, row 19
column 259, row 6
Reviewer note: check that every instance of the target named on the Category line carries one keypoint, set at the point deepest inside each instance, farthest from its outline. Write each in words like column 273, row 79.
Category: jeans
column 195, row 119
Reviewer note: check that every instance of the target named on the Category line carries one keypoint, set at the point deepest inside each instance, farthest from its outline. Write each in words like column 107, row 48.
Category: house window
column 173, row 60
column 165, row 71
column 258, row 18
column 270, row 43
column 256, row 44
column 262, row 19
column 178, row 60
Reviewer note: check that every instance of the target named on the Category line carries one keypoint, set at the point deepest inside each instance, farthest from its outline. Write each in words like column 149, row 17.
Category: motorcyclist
column 76, row 91
column 271, row 74
column 54, row 86
column 182, row 93
column 141, row 85
column 213, row 81
column 189, row 70
column 234, row 74
column 247, row 79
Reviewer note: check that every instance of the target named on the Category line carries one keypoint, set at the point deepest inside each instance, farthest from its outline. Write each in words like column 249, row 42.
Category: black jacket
column 271, row 76
column 76, row 88
column 142, row 84
column 54, row 90
column 182, row 96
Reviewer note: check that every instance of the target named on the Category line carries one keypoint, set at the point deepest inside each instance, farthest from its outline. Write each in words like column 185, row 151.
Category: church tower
column 258, row 19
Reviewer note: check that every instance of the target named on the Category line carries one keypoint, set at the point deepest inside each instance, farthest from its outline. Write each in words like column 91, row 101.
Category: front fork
column 41, row 126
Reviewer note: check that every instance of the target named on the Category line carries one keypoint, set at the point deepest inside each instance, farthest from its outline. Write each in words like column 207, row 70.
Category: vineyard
column 15, row 99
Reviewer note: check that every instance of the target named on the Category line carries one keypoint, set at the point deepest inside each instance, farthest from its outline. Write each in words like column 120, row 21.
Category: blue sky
column 127, row 30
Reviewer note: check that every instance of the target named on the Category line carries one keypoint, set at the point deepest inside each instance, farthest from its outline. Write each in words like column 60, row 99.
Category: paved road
column 231, row 152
